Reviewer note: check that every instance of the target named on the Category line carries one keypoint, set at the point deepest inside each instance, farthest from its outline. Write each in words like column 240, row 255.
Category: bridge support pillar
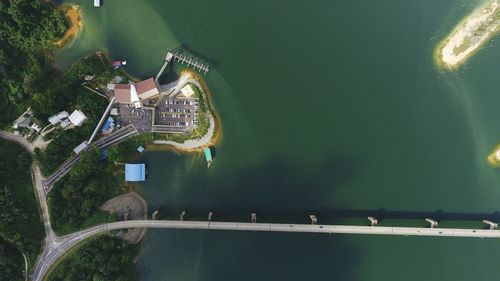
column 182, row 215
column 313, row 218
column 491, row 224
column 154, row 214
column 433, row 223
column 210, row 216
column 373, row 221
column 254, row 217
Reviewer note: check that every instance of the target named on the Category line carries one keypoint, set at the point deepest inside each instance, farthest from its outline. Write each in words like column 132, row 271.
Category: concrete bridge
column 67, row 242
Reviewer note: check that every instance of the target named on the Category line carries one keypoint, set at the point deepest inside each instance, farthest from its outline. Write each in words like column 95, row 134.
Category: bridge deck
column 71, row 240
column 308, row 228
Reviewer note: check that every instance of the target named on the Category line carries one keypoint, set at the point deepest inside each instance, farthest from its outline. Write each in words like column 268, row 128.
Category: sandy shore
column 137, row 209
column 469, row 35
column 73, row 14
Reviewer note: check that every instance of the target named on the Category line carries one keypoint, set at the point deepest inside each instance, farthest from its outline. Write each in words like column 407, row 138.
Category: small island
column 494, row 157
column 469, row 35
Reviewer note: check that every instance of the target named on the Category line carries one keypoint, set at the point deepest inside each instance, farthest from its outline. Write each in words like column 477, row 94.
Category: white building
column 77, row 118
column 55, row 119
column 36, row 127
column 187, row 91
column 65, row 123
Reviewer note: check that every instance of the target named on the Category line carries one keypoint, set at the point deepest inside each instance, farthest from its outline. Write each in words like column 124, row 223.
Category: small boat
column 117, row 64
column 208, row 156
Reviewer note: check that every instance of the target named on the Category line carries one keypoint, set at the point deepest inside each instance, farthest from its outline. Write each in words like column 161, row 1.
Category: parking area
column 170, row 115
column 141, row 118
column 180, row 113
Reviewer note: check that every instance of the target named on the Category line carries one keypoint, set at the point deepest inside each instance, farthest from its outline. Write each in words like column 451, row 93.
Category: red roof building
column 122, row 93
column 147, row 89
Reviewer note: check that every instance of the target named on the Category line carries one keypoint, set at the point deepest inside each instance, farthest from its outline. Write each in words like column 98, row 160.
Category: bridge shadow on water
column 280, row 191
column 186, row 49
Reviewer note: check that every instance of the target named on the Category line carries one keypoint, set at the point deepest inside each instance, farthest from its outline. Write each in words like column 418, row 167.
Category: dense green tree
column 30, row 24
column 27, row 28
column 105, row 258
column 11, row 262
column 20, row 221
column 74, row 201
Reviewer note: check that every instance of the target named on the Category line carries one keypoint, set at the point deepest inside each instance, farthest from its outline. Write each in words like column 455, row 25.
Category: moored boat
column 117, row 64
column 208, row 156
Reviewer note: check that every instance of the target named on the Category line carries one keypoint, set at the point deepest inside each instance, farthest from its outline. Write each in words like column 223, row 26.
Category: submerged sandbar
column 470, row 34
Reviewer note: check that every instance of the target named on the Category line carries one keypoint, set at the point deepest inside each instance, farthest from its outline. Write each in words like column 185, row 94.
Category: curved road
column 55, row 246
column 73, row 239
column 51, row 240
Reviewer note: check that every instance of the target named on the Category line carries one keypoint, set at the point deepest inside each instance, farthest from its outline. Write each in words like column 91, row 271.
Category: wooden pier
column 184, row 59
column 190, row 62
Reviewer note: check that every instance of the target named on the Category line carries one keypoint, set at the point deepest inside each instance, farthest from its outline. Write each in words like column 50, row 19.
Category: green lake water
column 327, row 107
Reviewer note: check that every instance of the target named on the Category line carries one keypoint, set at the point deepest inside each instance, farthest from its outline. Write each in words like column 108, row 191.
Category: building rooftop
column 147, row 89
column 187, row 91
column 56, row 118
column 82, row 146
column 77, row 118
column 135, row 172
column 122, row 93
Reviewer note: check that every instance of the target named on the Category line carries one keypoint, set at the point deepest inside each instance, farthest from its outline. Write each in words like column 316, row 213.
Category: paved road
column 55, row 246
column 72, row 240
column 19, row 139
column 112, row 139
column 51, row 240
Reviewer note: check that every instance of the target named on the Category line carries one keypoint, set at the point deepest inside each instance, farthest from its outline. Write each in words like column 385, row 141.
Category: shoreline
column 136, row 206
column 469, row 35
column 214, row 133
column 492, row 158
column 74, row 15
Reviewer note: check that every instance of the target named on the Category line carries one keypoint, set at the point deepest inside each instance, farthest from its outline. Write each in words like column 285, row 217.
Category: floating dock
column 173, row 55
column 190, row 62
column 208, row 156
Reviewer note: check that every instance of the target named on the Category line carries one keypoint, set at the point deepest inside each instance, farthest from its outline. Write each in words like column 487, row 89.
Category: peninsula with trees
column 79, row 126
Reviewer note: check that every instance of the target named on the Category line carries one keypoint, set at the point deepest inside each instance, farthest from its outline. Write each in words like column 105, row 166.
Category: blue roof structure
column 140, row 149
column 135, row 172
column 109, row 123
column 104, row 154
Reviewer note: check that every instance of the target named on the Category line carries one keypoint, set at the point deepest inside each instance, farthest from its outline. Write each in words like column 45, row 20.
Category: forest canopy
column 27, row 29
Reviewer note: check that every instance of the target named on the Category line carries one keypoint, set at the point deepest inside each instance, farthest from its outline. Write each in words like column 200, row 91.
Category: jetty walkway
column 184, row 59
